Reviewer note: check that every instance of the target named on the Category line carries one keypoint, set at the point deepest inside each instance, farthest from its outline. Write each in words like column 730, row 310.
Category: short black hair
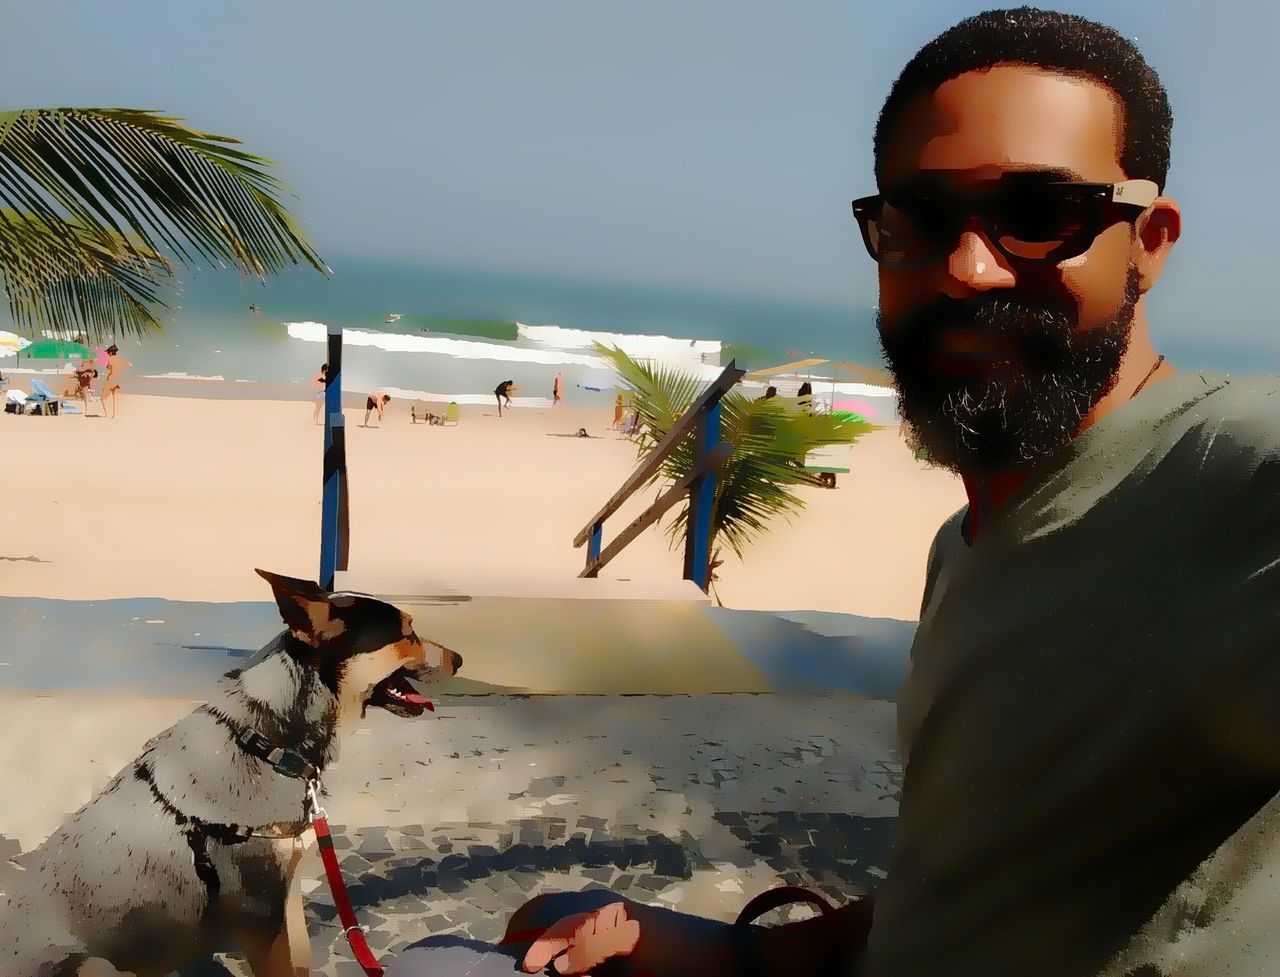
column 1055, row 42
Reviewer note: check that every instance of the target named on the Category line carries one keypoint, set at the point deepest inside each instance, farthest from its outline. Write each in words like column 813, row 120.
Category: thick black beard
column 982, row 425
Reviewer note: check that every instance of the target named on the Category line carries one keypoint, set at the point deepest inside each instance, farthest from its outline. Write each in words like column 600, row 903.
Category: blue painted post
column 334, row 463
column 593, row 547
column 702, row 496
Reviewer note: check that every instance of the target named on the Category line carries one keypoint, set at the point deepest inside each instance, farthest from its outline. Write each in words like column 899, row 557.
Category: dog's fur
column 143, row 879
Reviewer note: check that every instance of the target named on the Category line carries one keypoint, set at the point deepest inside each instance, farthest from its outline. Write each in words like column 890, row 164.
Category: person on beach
column 320, row 383
column 116, row 366
column 805, row 397
column 1088, row 726
column 557, row 390
column 619, row 406
column 376, row 401
column 503, row 392
column 770, row 393
column 84, row 377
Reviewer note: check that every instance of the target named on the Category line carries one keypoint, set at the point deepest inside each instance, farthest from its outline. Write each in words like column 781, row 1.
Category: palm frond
column 769, row 442
column 76, row 279
column 91, row 199
column 135, row 174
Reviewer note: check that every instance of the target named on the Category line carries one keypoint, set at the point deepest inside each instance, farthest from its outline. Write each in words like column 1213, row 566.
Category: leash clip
column 313, row 794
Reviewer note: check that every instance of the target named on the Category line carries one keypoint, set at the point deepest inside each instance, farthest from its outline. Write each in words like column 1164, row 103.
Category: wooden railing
column 702, row 421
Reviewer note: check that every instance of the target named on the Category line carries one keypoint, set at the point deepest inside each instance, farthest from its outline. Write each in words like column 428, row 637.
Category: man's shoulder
column 951, row 531
column 949, row 535
column 1246, row 409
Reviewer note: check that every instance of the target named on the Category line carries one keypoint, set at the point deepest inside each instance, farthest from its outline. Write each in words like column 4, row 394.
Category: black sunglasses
column 1025, row 220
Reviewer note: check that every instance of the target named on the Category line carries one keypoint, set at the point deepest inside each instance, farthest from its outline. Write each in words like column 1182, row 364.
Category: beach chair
column 423, row 413
column 42, row 400
column 452, row 415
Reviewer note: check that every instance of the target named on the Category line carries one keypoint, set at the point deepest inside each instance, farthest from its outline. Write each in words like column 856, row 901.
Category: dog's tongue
column 410, row 695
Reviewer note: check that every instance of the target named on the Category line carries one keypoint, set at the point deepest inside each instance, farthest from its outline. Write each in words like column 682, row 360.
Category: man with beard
column 1090, row 719
column 1091, row 707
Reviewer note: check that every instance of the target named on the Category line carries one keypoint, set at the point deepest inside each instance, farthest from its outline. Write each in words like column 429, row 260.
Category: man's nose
column 974, row 265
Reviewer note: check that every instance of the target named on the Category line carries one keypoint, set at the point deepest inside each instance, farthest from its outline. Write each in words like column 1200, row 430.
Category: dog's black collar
column 282, row 760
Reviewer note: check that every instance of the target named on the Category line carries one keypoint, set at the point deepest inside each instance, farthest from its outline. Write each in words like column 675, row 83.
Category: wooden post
column 702, row 496
column 593, row 548
column 333, row 517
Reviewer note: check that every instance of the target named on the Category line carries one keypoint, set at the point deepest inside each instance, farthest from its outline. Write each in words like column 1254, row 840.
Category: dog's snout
column 456, row 660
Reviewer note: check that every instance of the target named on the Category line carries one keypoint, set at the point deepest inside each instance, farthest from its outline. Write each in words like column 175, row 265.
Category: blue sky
column 691, row 143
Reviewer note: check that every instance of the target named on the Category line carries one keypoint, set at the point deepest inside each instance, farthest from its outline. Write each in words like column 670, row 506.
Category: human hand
column 584, row 940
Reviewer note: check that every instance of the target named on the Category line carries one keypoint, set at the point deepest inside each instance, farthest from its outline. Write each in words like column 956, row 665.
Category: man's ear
column 1158, row 231
column 304, row 607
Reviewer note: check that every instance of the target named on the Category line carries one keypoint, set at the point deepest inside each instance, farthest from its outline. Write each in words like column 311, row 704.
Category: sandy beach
column 181, row 498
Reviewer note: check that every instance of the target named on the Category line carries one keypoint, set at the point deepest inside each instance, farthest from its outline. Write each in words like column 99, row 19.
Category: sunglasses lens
column 1041, row 223
column 905, row 235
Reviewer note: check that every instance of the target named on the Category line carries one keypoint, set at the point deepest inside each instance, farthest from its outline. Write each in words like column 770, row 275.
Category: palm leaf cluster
column 96, row 204
column 770, row 439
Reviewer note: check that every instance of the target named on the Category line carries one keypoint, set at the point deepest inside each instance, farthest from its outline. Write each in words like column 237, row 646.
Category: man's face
column 998, row 360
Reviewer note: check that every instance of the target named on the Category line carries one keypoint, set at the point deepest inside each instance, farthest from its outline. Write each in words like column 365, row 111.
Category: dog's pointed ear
column 304, row 606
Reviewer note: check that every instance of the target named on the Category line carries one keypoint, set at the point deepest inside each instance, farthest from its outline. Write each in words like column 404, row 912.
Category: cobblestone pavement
column 448, row 823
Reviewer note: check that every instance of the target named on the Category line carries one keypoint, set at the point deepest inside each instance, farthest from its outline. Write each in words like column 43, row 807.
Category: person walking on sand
column 85, row 375
column 320, row 383
column 376, row 401
column 116, row 367
column 557, row 390
column 618, row 406
column 503, row 392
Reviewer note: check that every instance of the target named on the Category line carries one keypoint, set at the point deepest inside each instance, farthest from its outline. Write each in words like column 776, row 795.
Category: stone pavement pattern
column 445, row 825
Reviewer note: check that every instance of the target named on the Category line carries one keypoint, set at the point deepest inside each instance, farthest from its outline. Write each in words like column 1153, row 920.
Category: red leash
column 355, row 935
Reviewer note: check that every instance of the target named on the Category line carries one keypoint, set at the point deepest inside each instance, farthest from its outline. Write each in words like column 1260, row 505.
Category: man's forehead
column 1010, row 118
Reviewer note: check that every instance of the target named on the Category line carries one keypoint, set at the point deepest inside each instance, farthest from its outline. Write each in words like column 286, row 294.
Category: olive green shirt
column 1093, row 704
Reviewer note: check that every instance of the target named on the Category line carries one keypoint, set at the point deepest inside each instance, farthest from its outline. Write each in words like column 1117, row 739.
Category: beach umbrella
column 793, row 367
column 11, row 343
column 855, row 405
column 859, row 373
column 58, row 349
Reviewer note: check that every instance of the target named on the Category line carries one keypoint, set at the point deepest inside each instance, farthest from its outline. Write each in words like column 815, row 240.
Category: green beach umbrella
column 58, row 349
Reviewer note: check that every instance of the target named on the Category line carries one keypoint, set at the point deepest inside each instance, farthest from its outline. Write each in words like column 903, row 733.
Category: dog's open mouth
column 396, row 695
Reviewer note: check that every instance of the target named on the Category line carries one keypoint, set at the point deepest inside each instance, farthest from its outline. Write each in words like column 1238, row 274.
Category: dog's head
column 364, row 648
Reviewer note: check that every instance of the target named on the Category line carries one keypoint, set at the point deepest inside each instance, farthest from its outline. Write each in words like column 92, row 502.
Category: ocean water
column 459, row 333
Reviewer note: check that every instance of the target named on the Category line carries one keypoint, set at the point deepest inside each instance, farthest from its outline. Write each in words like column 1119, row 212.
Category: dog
column 198, row 840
